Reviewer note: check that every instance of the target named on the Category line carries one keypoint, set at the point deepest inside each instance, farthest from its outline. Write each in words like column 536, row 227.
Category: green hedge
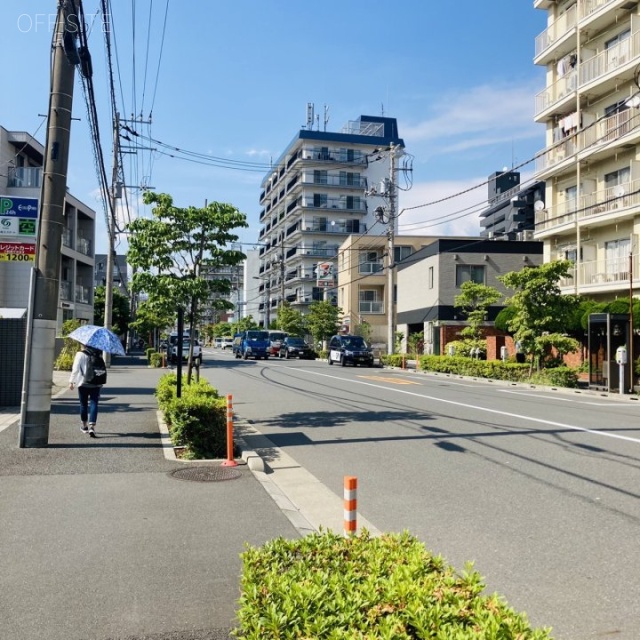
column 155, row 360
column 197, row 420
column 326, row 586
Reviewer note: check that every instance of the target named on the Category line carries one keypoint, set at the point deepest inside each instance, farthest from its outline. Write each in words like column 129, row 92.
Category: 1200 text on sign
column 17, row 252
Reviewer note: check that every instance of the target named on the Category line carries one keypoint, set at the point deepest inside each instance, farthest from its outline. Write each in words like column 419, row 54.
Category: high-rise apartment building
column 313, row 198
column 591, row 163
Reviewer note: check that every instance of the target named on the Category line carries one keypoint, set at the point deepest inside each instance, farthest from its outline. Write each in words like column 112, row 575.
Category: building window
column 401, row 253
column 320, row 177
column 469, row 272
column 617, row 258
column 369, row 301
column 320, row 200
column 369, row 262
column 430, row 278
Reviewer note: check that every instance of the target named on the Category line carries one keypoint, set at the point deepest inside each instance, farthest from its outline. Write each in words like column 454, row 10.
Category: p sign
column 19, row 207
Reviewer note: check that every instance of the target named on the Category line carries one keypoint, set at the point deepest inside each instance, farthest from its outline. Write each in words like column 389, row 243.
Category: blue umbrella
column 99, row 338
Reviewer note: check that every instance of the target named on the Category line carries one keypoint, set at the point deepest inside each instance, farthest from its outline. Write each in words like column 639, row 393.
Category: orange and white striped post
column 350, row 505
column 229, row 462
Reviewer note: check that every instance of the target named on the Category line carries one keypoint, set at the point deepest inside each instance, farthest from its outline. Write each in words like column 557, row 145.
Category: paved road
column 539, row 487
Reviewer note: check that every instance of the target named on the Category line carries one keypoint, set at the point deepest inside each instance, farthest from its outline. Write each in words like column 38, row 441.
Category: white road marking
column 581, row 401
column 479, row 408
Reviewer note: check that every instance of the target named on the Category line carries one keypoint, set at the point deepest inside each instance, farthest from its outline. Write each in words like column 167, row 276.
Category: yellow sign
column 17, row 252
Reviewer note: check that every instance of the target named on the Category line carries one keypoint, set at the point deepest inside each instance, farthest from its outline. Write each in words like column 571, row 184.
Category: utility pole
column 282, row 271
column 115, row 195
column 35, row 411
column 390, row 250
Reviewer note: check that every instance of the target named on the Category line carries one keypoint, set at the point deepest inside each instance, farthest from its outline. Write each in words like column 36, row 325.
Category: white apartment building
column 591, row 161
column 313, row 199
column 21, row 160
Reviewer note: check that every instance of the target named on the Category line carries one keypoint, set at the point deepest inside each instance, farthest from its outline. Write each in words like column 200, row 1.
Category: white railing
column 555, row 92
column 556, row 154
column 587, row 7
column 609, row 129
column 65, row 290
column 610, row 200
column 556, row 30
column 370, row 267
column 556, row 216
column 610, row 59
column 366, row 306
column 614, row 271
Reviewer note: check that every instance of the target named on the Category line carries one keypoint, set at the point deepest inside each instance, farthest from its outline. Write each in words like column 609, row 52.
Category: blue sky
column 234, row 80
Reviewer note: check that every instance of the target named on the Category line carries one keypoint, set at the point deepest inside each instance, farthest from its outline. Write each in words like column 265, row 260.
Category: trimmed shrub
column 326, row 586
column 149, row 352
column 197, row 420
column 156, row 360
column 558, row 377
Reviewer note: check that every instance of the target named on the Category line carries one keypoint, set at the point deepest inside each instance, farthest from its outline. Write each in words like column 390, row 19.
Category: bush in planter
column 327, row 586
column 149, row 351
column 156, row 360
column 558, row 377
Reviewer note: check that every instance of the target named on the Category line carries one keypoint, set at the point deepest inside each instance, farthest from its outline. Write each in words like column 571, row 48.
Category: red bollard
column 229, row 462
column 350, row 505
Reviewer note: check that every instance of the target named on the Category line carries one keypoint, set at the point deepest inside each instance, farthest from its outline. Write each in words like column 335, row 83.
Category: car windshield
column 277, row 336
column 296, row 342
column 257, row 335
column 355, row 342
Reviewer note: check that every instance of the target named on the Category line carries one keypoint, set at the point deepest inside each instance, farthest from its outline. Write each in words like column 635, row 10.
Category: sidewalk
column 99, row 542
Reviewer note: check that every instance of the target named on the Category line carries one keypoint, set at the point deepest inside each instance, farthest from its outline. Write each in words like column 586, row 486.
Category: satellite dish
column 538, row 205
column 618, row 191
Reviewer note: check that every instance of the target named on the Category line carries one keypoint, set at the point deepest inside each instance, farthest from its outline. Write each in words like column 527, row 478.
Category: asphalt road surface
column 539, row 488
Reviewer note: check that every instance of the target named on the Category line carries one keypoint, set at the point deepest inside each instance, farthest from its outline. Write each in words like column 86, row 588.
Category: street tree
column 172, row 251
column 290, row 320
column 474, row 301
column 152, row 317
column 121, row 312
column 540, row 310
column 323, row 320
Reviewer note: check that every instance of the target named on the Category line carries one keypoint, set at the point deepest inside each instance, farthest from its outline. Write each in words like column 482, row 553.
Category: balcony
column 601, row 275
column 324, row 154
column 346, row 181
column 84, row 246
column 614, row 64
column 24, row 177
column 556, row 95
column 549, row 41
column 344, row 203
column 65, row 290
column 370, row 267
column 556, row 155
column 82, row 294
column 319, row 252
column 352, row 226
column 369, row 306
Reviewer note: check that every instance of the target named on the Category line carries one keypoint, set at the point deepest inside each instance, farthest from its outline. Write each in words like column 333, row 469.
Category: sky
column 232, row 80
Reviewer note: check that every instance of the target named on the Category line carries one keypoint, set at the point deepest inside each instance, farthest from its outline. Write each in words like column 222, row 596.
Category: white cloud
column 480, row 116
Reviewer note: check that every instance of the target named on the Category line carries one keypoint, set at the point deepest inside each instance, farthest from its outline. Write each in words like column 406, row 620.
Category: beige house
column 591, row 161
column 362, row 279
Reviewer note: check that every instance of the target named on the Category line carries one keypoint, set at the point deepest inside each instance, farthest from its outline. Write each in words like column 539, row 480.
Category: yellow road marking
column 390, row 380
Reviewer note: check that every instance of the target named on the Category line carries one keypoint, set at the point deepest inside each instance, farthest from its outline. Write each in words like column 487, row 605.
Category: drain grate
column 206, row 474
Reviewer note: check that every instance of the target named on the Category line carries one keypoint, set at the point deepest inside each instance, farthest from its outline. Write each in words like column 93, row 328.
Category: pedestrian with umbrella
column 89, row 371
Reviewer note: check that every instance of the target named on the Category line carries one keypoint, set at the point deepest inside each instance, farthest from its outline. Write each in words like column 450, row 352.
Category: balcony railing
column 65, row 290
column 333, row 155
column 587, row 7
column 24, row 177
column 84, row 246
column 604, row 272
column 67, row 238
column 341, row 204
column 556, row 30
column 609, row 60
column 556, row 154
column 82, row 294
column 370, row 267
column 337, row 181
column 321, row 252
column 330, row 227
column 606, row 201
column 367, row 306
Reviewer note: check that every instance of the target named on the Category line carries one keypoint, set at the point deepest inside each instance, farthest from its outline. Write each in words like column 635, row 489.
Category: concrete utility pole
column 43, row 315
column 115, row 194
column 390, row 250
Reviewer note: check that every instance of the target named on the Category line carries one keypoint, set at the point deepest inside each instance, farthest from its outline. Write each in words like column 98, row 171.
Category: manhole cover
column 206, row 474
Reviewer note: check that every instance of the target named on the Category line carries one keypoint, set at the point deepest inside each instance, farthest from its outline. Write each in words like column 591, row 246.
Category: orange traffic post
column 229, row 462
column 350, row 505
column 404, row 364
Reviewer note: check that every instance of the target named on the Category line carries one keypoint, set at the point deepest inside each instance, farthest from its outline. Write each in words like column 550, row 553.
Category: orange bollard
column 350, row 505
column 229, row 462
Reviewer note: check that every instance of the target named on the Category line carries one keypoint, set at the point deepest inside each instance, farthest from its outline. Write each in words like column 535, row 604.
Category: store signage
column 25, row 227
column 324, row 274
column 19, row 207
column 17, row 252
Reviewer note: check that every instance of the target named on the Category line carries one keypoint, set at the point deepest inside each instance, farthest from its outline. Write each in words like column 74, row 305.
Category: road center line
column 473, row 406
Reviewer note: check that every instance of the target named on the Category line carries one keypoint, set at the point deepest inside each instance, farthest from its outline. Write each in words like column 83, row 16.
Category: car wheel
column 245, row 356
column 343, row 361
column 286, row 355
column 329, row 359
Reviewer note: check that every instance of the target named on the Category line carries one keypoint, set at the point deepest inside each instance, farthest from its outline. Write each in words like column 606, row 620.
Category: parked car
column 294, row 347
column 197, row 352
column 252, row 344
column 227, row 342
column 217, row 343
column 276, row 338
column 350, row 349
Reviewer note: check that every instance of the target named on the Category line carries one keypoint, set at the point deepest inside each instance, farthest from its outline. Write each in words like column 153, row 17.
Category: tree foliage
column 539, row 308
column 474, row 300
column 173, row 251
column 290, row 320
column 323, row 319
column 120, row 310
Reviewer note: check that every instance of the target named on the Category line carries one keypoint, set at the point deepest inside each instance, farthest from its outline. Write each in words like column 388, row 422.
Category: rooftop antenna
column 310, row 115
column 382, row 108
column 326, row 116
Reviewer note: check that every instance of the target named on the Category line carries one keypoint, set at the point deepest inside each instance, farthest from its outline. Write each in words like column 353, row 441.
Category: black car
column 293, row 347
column 350, row 349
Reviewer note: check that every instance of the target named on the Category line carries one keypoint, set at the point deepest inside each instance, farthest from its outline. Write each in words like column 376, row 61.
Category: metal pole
column 36, row 414
column 630, row 350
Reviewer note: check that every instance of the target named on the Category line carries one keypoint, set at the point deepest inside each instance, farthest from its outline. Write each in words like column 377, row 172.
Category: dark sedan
column 293, row 347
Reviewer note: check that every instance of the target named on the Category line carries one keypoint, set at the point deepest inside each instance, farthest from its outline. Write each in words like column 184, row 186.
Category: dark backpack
column 96, row 368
